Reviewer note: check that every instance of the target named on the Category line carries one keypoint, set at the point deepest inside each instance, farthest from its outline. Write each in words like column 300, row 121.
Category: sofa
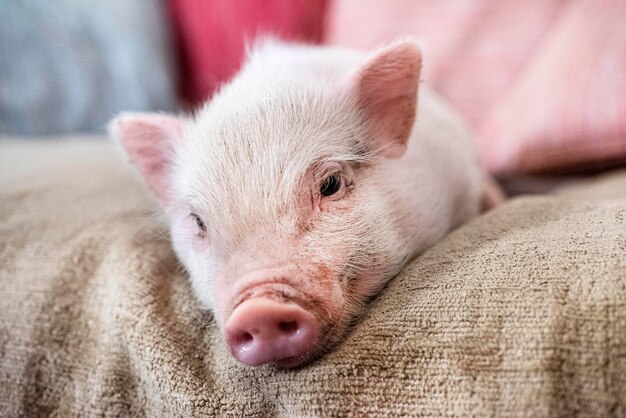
column 520, row 312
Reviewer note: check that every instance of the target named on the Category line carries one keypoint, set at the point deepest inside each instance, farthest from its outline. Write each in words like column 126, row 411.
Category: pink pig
column 303, row 187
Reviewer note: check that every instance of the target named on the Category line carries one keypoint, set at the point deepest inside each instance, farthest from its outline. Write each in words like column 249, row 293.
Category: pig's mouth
column 294, row 362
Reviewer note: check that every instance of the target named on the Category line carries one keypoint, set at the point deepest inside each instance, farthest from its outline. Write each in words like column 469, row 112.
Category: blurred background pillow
column 543, row 83
column 70, row 65
column 212, row 35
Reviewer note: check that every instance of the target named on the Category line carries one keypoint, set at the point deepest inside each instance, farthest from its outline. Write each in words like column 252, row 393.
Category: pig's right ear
column 385, row 89
column 148, row 139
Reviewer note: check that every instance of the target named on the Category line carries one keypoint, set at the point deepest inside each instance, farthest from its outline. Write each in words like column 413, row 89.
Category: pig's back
column 442, row 147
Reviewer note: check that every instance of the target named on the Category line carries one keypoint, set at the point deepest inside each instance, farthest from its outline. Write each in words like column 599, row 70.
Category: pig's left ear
column 385, row 88
column 148, row 139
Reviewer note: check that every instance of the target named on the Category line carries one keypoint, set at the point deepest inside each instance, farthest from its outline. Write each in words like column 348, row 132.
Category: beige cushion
column 521, row 312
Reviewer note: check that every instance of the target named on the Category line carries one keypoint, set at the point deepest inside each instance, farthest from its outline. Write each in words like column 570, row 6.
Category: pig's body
column 303, row 187
column 439, row 172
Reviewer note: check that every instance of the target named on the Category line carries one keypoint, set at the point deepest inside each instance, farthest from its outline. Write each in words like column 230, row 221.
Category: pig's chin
column 297, row 362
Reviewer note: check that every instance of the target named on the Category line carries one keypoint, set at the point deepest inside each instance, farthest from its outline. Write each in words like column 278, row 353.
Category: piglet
column 303, row 186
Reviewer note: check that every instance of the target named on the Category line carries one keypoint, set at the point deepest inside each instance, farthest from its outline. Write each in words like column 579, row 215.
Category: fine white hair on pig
column 240, row 179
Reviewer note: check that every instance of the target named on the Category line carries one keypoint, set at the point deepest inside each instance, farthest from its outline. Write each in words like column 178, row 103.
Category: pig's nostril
column 288, row 327
column 245, row 337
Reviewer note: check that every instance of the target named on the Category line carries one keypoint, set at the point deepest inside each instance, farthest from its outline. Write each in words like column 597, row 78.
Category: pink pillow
column 542, row 83
column 212, row 35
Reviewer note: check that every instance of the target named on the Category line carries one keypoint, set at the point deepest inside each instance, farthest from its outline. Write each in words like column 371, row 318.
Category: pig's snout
column 261, row 330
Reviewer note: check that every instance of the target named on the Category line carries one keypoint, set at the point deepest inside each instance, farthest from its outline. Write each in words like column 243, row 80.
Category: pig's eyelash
column 199, row 221
column 193, row 202
column 194, row 211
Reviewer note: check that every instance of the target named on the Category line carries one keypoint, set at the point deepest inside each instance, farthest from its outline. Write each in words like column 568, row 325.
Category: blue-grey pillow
column 69, row 65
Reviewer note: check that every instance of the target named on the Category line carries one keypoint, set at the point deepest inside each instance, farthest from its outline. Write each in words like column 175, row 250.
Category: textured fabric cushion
column 521, row 312
column 543, row 83
column 69, row 65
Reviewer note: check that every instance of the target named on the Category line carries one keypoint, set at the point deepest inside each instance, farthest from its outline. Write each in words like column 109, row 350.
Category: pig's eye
column 331, row 185
column 199, row 222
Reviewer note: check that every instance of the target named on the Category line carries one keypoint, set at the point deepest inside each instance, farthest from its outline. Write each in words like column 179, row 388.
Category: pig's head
column 279, row 200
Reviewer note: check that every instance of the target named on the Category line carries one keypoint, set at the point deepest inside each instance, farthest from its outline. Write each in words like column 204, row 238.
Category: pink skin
column 284, row 267
column 256, row 297
column 284, row 303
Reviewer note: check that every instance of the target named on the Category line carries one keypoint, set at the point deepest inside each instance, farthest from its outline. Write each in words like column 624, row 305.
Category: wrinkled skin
column 302, row 188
